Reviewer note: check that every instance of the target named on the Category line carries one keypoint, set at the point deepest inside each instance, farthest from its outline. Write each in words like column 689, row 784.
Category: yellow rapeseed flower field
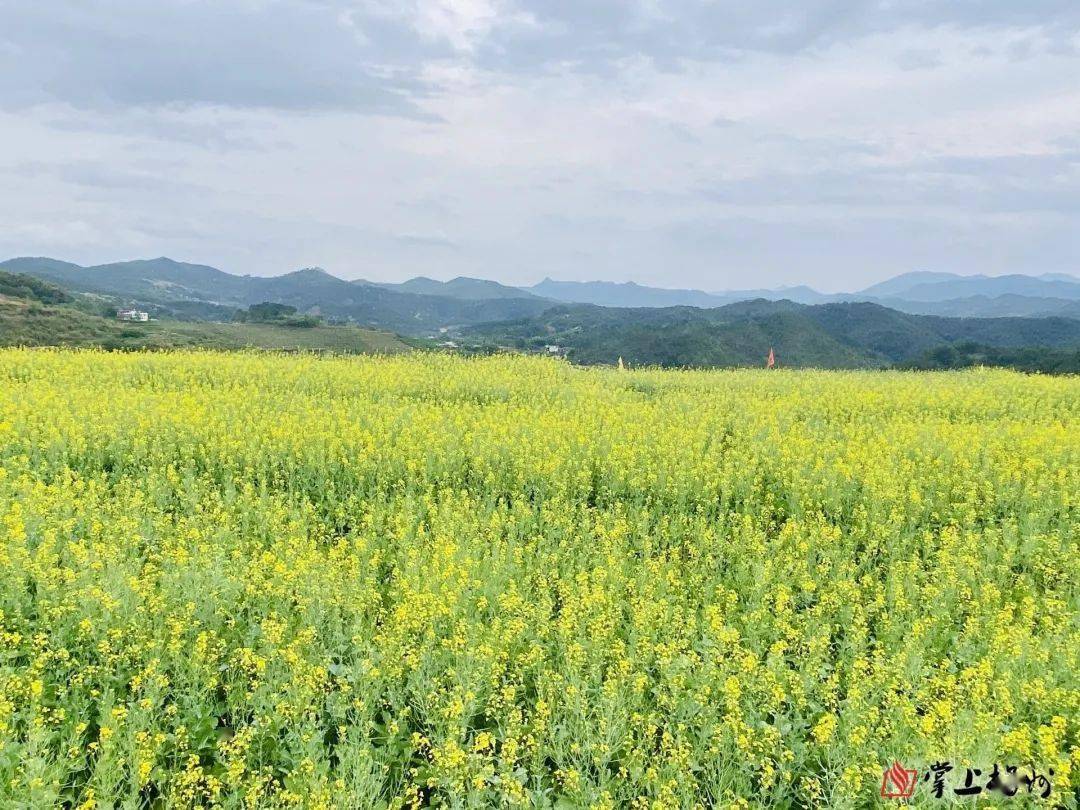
column 255, row 581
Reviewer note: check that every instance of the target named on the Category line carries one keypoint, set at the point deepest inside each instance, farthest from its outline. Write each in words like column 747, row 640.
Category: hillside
column 27, row 323
column 969, row 354
column 168, row 285
column 829, row 336
column 31, row 288
column 315, row 290
column 144, row 279
column 678, row 336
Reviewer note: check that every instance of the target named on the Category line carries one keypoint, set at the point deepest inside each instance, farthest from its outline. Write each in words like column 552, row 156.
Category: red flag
column 772, row 359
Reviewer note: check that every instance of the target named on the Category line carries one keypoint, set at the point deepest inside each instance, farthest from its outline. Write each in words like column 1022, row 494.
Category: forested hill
column 828, row 335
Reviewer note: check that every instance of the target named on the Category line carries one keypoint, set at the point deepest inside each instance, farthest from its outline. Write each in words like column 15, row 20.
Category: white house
column 131, row 315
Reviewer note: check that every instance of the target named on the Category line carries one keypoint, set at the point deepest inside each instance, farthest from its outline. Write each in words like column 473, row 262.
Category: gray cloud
column 919, row 59
column 365, row 56
column 689, row 142
column 140, row 125
column 292, row 55
column 426, row 241
column 102, row 178
column 597, row 32
column 1013, row 183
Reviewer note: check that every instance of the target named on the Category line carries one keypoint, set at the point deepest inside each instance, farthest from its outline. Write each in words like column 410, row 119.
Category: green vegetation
column 20, row 285
column 266, row 312
column 32, row 324
column 968, row 355
column 280, row 314
column 827, row 336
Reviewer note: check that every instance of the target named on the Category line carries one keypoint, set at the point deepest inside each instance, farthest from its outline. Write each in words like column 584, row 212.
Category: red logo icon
column 897, row 782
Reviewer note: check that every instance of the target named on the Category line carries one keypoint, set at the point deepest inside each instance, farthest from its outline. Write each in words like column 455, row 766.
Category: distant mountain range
column 894, row 321
column 421, row 304
column 921, row 293
column 462, row 287
column 923, row 286
column 629, row 294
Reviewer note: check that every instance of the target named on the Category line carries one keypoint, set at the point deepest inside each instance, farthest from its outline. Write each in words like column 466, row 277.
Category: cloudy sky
column 715, row 144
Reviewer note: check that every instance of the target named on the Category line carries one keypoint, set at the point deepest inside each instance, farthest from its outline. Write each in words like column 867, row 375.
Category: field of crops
column 257, row 581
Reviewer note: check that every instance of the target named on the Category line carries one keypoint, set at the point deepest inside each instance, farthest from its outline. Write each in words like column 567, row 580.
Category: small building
column 552, row 349
column 132, row 315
